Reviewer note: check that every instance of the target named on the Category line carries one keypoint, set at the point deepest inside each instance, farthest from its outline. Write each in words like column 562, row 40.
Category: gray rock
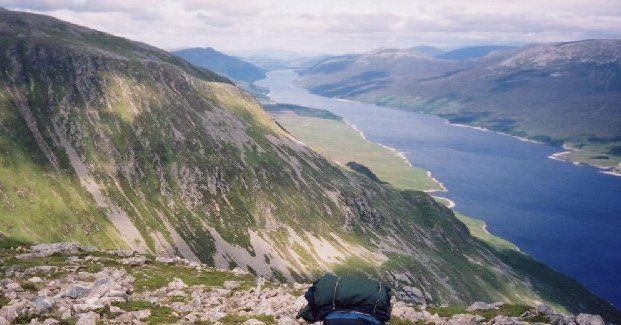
column 165, row 260
column 41, row 305
column 87, row 307
column 77, row 291
column 176, row 284
column 414, row 295
column 45, row 250
column 286, row 321
column 556, row 319
column 588, row 319
column 135, row 261
column 479, row 305
column 544, row 310
column 15, row 309
column 87, row 319
column 463, row 319
column 231, row 285
column 130, row 317
column 506, row 320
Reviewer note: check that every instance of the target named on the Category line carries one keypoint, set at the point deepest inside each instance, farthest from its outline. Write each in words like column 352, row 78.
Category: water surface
column 564, row 215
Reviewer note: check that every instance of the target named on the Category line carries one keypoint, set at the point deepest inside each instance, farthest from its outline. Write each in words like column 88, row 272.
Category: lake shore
column 563, row 156
column 521, row 194
column 342, row 142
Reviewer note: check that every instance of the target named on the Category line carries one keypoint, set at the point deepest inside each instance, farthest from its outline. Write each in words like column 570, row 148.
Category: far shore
column 559, row 156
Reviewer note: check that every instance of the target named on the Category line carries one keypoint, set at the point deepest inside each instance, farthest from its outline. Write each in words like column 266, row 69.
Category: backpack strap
column 336, row 285
column 378, row 297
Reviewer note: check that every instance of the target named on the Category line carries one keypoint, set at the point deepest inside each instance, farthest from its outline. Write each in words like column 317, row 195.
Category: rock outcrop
column 83, row 285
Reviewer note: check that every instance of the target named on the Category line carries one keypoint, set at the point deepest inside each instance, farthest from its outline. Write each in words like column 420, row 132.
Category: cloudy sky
column 337, row 26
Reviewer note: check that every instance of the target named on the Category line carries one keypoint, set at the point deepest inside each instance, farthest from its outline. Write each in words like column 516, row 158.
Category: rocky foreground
column 65, row 283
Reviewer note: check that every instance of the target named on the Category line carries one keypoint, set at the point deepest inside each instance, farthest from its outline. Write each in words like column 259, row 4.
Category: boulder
column 231, row 285
column 588, row 319
column 41, row 305
column 176, row 284
column 506, row 320
column 130, row 317
column 414, row 295
column 45, row 250
column 89, row 318
column 77, row 291
column 135, row 261
column 464, row 319
column 557, row 319
column 165, row 260
column 15, row 309
column 35, row 279
column 286, row 321
column 544, row 310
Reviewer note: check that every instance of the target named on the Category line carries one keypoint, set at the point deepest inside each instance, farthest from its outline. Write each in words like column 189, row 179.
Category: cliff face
column 117, row 144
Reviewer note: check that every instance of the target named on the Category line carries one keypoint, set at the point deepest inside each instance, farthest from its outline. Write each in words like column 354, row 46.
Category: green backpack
column 346, row 293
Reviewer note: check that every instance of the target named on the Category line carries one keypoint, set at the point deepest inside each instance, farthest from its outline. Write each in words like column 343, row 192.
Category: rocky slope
column 65, row 283
column 560, row 93
column 118, row 144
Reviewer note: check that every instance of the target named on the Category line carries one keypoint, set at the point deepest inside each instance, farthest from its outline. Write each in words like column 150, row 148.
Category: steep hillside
column 561, row 93
column 118, row 144
column 226, row 65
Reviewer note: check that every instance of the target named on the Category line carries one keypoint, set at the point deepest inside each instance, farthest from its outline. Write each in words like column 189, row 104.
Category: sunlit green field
column 335, row 139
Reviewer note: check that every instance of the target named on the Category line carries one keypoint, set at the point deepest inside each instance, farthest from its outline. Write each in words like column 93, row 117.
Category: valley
column 123, row 146
column 558, row 93
column 511, row 185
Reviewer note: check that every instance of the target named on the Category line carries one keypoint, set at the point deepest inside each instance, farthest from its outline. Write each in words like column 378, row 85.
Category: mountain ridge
column 558, row 93
column 226, row 65
column 120, row 145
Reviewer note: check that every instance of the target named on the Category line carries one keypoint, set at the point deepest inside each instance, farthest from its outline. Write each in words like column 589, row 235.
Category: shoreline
column 402, row 156
column 558, row 156
column 397, row 152
column 562, row 156
column 449, row 203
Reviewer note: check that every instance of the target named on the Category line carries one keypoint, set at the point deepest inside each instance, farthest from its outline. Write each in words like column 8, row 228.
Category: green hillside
column 119, row 144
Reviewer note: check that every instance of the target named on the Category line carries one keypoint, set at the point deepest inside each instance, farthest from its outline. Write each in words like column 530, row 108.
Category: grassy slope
column 39, row 204
column 335, row 139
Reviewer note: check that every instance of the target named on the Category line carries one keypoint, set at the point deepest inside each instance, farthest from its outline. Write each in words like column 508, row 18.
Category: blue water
column 564, row 215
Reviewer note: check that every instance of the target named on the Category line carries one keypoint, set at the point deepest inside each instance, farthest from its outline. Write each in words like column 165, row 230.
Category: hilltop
column 225, row 65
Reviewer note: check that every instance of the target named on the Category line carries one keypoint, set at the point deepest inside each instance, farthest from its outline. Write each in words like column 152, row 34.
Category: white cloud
column 337, row 25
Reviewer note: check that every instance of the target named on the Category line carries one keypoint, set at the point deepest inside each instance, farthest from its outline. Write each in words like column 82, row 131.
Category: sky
column 337, row 26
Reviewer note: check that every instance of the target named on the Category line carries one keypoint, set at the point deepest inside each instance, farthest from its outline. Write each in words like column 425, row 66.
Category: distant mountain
column 280, row 59
column 429, row 50
column 223, row 64
column 560, row 93
column 471, row 52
